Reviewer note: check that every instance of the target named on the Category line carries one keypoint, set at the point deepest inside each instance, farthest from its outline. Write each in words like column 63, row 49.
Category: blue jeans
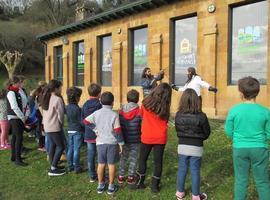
column 74, row 146
column 91, row 156
column 194, row 165
column 65, row 141
column 47, row 143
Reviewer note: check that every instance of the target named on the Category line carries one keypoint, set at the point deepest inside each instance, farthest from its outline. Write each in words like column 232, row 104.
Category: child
column 17, row 118
column 130, row 121
column 248, row 125
column 4, row 125
column 53, row 120
column 192, row 129
column 75, row 129
column 155, row 112
column 108, row 138
column 41, row 134
column 89, row 107
column 35, row 112
column 148, row 81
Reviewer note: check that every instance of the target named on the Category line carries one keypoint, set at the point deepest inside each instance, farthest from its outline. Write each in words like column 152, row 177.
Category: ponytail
column 47, row 93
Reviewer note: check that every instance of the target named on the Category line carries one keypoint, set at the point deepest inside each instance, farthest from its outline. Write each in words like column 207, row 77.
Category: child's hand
column 120, row 149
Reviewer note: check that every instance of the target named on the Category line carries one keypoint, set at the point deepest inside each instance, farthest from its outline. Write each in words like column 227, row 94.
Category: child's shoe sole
column 111, row 192
column 101, row 190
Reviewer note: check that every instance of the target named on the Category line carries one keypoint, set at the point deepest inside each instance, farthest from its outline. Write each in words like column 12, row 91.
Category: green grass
column 32, row 182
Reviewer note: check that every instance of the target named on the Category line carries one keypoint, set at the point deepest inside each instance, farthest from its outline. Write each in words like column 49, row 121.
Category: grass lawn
column 32, row 182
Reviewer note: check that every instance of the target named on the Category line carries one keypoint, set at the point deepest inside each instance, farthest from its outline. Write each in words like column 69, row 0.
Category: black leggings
column 145, row 150
column 17, row 129
column 57, row 146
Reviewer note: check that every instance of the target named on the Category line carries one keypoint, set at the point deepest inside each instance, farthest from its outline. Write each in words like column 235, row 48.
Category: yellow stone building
column 224, row 39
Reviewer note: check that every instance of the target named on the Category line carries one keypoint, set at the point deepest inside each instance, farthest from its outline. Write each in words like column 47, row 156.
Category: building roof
column 107, row 16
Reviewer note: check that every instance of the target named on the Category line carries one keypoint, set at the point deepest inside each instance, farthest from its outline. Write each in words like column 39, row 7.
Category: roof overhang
column 104, row 17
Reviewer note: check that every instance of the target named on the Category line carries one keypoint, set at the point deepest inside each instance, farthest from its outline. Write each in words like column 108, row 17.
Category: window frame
column 75, row 62
column 230, row 38
column 56, row 64
column 131, row 52
column 100, row 57
column 172, row 43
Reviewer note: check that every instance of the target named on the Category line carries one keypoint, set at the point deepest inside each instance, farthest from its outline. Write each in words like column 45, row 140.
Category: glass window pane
column 79, row 79
column 185, row 49
column 139, row 54
column 58, row 65
column 106, row 61
column 249, row 42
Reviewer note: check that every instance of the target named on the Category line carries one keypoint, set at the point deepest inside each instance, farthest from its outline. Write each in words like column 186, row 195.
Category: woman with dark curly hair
column 149, row 81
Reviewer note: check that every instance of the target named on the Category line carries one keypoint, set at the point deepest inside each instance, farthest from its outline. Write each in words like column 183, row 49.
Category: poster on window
column 107, row 54
column 139, row 54
column 80, row 58
column 185, row 48
column 106, row 63
column 80, row 64
column 249, row 42
column 186, row 57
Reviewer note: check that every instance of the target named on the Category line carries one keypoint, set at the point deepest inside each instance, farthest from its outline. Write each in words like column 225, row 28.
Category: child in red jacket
column 155, row 114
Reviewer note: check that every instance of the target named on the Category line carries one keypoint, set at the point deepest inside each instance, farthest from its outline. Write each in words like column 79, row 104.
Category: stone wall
column 212, row 53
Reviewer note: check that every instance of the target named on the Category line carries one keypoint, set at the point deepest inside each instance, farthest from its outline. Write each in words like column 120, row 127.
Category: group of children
column 131, row 134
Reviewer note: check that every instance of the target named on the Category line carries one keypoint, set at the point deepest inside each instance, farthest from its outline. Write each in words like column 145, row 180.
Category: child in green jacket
column 248, row 125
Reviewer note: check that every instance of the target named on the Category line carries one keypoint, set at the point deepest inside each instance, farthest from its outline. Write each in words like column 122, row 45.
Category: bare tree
column 11, row 61
column 15, row 6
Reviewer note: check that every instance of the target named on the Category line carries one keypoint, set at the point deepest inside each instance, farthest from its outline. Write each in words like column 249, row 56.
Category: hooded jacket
column 89, row 107
column 130, row 121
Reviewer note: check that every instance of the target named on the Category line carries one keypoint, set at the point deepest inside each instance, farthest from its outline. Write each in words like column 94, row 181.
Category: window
column 105, row 60
column 79, row 64
column 58, row 63
column 184, row 48
column 137, row 55
column 249, row 35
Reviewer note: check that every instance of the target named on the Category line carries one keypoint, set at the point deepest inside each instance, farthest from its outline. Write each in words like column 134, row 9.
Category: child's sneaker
column 112, row 189
column 180, row 195
column 202, row 196
column 56, row 172
column 101, row 188
column 93, row 179
column 42, row 149
column 121, row 180
column 131, row 180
